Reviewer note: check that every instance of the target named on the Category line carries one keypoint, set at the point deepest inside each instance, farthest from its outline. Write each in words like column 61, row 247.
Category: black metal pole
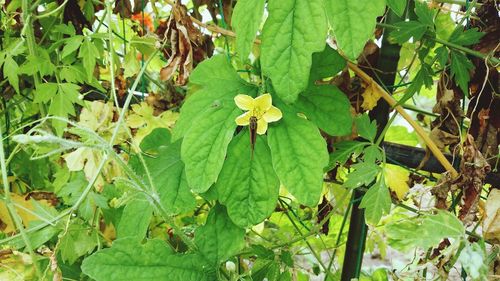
column 387, row 63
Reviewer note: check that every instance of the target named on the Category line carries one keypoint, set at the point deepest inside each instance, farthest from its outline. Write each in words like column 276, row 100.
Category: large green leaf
column 213, row 82
column 376, row 202
column 326, row 63
column 246, row 19
column 219, row 238
column 135, row 219
column 62, row 104
column 247, row 184
column 328, row 108
column 299, row 155
column 398, row 6
column 205, row 144
column 293, row 31
column 154, row 260
column 88, row 53
column 353, row 23
column 424, row 231
column 167, row 171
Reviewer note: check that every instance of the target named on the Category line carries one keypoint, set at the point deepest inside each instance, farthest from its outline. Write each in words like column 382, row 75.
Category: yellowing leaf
column 17, row 266
column 144, row 120
column 370, row 97
column 26, row 209
column 491, row 223
column 396, row 178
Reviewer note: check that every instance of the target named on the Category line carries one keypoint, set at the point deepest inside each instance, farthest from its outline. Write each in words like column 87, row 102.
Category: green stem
column 297, row 229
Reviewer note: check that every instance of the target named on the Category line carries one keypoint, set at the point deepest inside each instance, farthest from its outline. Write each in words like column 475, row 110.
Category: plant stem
column 297, row 229
column 420, row 131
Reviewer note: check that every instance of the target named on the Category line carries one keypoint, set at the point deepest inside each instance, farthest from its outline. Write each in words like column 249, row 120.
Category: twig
column 420, row 131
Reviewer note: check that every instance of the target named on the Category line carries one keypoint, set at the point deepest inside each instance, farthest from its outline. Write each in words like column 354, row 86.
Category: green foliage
column 299, row 155
column 460, row 68
column 353, row 23
column 376, row 201
column 247, row 16
column 425, row 231
column 129, row 260
column 293, row 31
column 247, row 184
column 398, row 6
column 219, row 239
column 135, row 219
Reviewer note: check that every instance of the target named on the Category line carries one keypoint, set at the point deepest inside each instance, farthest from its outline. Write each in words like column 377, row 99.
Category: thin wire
column 143, row 86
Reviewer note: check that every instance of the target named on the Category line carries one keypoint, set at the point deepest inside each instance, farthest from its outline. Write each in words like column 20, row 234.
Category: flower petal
column 264, row 102
column 272, row 115
column 243, row 119
column 244, row 102
column 261, row 126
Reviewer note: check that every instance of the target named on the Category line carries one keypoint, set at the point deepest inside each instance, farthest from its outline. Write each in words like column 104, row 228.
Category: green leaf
column 214, row 82
column 131, row 64
column 79, row 240
column 406, row 30
column 62, row 104
column 135, row 219
column 219, row 239
column 343, row 151
column 353, row 23
column 442, row 56
column 205, row 144
column 460, row 69
column 424, row 231
column 154, row 260
column 422, row 78
column 324, row 103
column 376, row 201
column 398, row 6
column 44, row 92
column 166, row 169
column 465, row 37
column 326, row 64
column 424, row 14
column 372, row 154
column 292, row 32
column 10, row 69
column 72, row 44
column 246, row 19
column 88, row 53
column 364, row 174
column 247, row 184
column 366, row 129
column 299, row 155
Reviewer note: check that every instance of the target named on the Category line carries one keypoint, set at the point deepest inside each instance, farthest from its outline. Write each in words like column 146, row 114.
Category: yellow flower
column 261, row 108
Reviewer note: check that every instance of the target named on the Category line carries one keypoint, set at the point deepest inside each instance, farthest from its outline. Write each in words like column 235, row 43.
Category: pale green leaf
column 366, row 128
column 135, row 219
column 154, row 260
column 213, row 82
column 80, row 239
column 246, row 19
column 353, row 23
column 328, row 108
column 205, row 144
column 293, row 31
column 424, row 13
column 376, row 201
column 10, row 69
column 88, row 53
column 44, row 92
column 72, row 44
column 424, row 231
column 364, row 174
column 62, row 104
column 219, row 239
column 166, row 170
column 247, row 184
column 299, row 155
